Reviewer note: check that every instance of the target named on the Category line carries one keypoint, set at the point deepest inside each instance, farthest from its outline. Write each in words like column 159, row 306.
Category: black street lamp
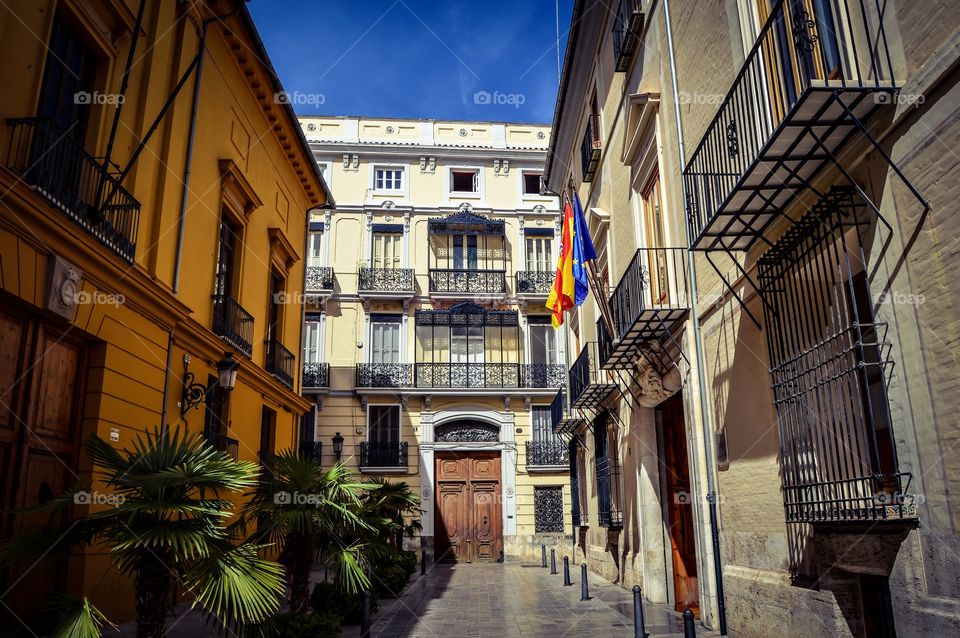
column 193, row 394
column 337, row 445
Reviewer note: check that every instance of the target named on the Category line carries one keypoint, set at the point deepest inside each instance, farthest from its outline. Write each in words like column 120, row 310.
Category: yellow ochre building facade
column 145, row 231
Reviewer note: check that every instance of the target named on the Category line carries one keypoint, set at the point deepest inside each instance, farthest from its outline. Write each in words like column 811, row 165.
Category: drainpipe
column 698, row 340
column 166, row 383
column 194, row 107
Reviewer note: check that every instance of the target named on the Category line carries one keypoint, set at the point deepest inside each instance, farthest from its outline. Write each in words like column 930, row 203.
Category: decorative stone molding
column 404, row 398
column 428, row 402
column 653, row 391
column 363, row 403
column 351, row 162
column 506, row 401
column 63, row 287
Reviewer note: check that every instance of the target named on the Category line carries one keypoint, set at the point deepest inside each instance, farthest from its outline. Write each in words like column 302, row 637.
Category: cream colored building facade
column 812, row 178
column 427, row 346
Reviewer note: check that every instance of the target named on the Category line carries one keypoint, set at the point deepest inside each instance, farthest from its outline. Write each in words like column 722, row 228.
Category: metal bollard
column 689, row 628
column 365, row 618
column 584, row 586
column 639, row 630
column 543, row 556
column 553, row 561
column 566, row 572
column 423, row 563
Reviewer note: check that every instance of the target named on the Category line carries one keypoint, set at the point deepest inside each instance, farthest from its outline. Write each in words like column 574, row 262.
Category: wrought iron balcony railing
column 316, row 374
column 233, row 323
column 548, row 454
column 468, row 282
column 467, row 375
column 543, row 375
column 54, row 164
column 384, row 375
column 319, row 279
column 589, row 385
column 280, row 362
column 651, row 299
column 534, row 282
column 562, row 417
column 590, row 147
column 382, row 455
column 312, row 450
column 386, row 280
column 805, row 88
column 626, row 32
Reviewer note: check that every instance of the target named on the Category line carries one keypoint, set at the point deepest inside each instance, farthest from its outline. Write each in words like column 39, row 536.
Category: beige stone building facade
column 428, row 350
column 764, row 393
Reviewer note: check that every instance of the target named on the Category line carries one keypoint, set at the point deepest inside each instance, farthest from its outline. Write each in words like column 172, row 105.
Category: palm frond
column 74, row 617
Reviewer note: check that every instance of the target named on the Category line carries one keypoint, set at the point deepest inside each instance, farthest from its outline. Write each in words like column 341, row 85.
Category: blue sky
column 445, row 59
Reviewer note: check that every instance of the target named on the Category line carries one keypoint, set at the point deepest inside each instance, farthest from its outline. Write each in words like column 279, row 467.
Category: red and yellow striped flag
column 561, row 295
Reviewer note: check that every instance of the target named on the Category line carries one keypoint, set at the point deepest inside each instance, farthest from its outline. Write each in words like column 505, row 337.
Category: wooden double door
column 41, row 384
column 468, row 524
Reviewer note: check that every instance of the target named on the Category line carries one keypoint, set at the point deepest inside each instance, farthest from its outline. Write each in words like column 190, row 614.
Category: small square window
column 388, row 179
column 531, row 183
column 464, row 181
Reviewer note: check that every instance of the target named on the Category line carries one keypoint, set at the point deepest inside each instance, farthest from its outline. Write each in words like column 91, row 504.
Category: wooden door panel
column 452, row 528
column 56, row 388
column 12, row 334
column 486, row 520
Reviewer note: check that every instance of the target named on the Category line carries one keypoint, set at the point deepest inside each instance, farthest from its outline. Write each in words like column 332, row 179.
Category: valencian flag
column 570, row 285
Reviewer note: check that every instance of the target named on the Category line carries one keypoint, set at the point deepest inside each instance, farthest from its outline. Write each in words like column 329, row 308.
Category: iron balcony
column 465, row 282
column 233, row 323
column 319, row 281
column 806, row 88
column 459, row 375
column 650, row 301
column 280, row 362
column 627, row 25
column 590, row 147
column 57, row 167
column 386, row 283
column 376, row 455
column 554, row 455
column 534, row 283
column 562, row 417
column 589, row 385
column 316, row 376
column 312, row 450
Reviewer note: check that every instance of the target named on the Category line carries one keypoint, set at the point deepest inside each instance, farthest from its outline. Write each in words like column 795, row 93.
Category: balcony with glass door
column 319, row 279
column 545, row 366
column 546, row 452
column 385, row 368
column 536, row 279
column 383, row 451
column 467, row 258
column 385, row 277
column 316, row 372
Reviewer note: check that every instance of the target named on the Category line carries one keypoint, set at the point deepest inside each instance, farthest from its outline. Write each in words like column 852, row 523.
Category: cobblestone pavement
column 512, row 599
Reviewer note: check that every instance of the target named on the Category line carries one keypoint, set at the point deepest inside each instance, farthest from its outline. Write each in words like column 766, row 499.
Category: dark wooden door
column 41, row 386
column 467, row 517
column 680, row 505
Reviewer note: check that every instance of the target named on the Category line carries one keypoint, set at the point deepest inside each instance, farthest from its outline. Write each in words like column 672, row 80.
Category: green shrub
column 390, row 581
column 302, row 626
column 327, row 598
column 408, row 561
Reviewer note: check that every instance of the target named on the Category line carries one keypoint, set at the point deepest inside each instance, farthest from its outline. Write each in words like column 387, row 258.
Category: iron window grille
column 548, row 509
column 547, row 454
column 829, row 365
column 574, row 459
column 382, row 454
column 609, row 514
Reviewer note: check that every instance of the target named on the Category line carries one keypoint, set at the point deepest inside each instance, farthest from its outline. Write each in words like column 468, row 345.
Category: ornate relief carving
column 652, row 389
column 467, row 431
column 63, row 287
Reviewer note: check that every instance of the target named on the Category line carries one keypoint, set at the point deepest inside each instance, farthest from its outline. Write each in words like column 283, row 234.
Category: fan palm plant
column 169, row 525
column 395, row 507
column 310, row 513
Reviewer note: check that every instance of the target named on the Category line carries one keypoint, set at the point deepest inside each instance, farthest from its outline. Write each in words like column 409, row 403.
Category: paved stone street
column 511, row 599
